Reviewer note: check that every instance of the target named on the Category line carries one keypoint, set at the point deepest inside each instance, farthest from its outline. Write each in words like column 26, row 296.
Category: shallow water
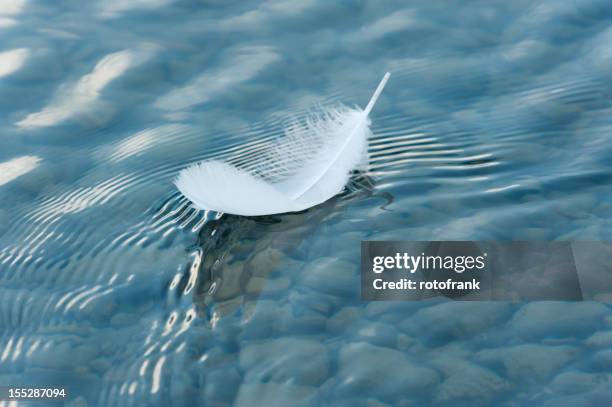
column 496, row 124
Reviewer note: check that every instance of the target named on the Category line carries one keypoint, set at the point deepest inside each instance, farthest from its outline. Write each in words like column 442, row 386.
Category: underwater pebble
column 389, row 235
column 265, row 261
column 53, row 356
column 319, row 248
column 100, row 365
column 603, row 359
column 580, row 206
column 386, row 373
column 264, row 320
column 223, row 309
column 449, row 320
column 574, row 382
column 216, row 358
column 276, row 395
column 531, row 363
column 467, row 382
column 306, row 321
column 322, row 303
column 182, row 388
column 221, row 385
column 332, row 276
column 600, row 396
column 231, row 284
column 600, row 339
column 271, row 287
column 292, row 360
column 344, row 319
column 556, row 319
column 349, row 242
column 393, row 312
column 404, row 342
column 376, row 333
column 77, row 402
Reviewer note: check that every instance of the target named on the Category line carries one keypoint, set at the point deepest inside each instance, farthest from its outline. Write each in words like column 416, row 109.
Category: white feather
column 311, row 164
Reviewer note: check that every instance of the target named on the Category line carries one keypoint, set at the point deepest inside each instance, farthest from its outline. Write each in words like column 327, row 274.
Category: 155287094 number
column 32, row 393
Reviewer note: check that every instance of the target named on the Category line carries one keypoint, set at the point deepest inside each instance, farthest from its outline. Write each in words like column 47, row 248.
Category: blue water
column 496, row 124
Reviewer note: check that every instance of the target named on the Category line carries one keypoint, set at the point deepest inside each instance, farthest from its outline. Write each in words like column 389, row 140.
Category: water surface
column 495, row 124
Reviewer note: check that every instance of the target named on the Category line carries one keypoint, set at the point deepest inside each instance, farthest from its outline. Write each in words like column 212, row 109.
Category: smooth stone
column 386, row 373
column 603, row 359
column 600, row 339
column 332, row 276
column 599, row 396
column 467, row 382
column 79, row 401
column 226, row 310
column 227, row 330
column 395, row 312
column 557, row 319
column 231, row 284
column 82, row 355
column 271, row 287
column 100, row 365
column 324, row 304
column 405, row 342
column 376, row 333
column 320, row 247
column 575, row 382
column 349, row 242
column 289, row 360
column 418, row 214
column 264, row 262
column 449, row 320
column 54, row 356
column 344, row 319
column 390, row 235
column 201, row 337
column 217, row 358
column 276, row 395
column 222, row 384
column 264, row 320
column 181, row 388
column 531, row 363
column 307, row 321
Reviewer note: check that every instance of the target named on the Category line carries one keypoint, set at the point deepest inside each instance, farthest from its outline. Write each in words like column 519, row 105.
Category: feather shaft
column 376, row 94
column 352, row 133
